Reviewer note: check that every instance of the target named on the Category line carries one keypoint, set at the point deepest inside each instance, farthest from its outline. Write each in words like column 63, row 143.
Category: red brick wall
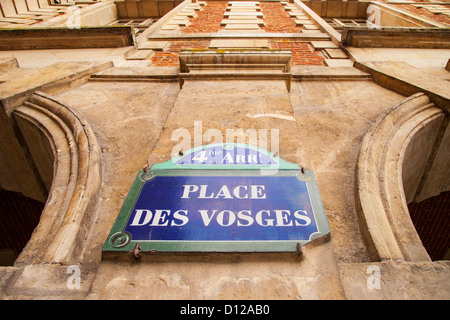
column 208, row 20
column 424, row 12
column 170, row 57
column 302, row 54
column 277, row 19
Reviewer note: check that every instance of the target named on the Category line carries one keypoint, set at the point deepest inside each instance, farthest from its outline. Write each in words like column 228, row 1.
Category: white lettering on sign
column 225, row 157
column 160, row 218
column 225, row 218
column 239, row 192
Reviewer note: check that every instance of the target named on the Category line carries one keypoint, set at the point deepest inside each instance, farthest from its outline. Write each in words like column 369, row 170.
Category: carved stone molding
column 396, row 37
column 392, row 161
column 236, row 64
column 65, row 38
column 75, row 183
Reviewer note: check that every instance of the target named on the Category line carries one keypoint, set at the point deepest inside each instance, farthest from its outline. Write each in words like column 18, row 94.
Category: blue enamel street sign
column 201, row 202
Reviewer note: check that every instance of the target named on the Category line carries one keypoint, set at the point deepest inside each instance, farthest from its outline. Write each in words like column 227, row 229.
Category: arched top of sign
column 227, row 156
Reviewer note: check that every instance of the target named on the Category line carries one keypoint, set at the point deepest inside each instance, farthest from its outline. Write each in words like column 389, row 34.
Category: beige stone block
column 179, row 18
column 243, row 4
column 251, row 14
column 47, row 280
column 21, row 21
column 243, row 9
column 394, row 272
column 296, row 12
column 339, row 63
column 8, row 8
column 336, row 53
column 238, row 32
column 191, row 14
column 169, row 27
column 315, row 32
column 298, row 15
column 323, row 44
column 135, row 54
column 194, row 6
column 242, row 26
column 8, row 64
column 243, row 18
column 251, row 21
column 291, row 8
column 178, row 22
column 303, row 21
column 240, row 43
column 154, row 45
column 311, row 27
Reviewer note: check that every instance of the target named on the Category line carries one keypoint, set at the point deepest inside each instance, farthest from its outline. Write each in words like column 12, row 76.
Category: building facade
column 92, row 92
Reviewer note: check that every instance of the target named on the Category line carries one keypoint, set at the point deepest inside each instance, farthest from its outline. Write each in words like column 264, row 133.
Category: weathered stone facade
column 85, row 108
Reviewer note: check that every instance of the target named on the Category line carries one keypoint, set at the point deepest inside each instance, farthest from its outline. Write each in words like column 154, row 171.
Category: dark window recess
column 19, row 216
column 139, row 25
column 431, row 219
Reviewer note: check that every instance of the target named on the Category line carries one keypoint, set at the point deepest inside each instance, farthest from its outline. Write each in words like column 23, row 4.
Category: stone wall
column 354, row 116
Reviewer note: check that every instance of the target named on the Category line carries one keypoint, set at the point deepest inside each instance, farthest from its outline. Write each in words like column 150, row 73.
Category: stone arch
column 47, row 124
column 393, row 159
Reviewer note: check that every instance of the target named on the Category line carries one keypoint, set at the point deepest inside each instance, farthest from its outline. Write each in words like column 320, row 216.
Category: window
column 139, row 25
column 431, row 219
column 19, row 216
column 339, row 24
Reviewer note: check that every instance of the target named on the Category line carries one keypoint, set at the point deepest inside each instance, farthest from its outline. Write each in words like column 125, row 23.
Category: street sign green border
column 119, row 241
